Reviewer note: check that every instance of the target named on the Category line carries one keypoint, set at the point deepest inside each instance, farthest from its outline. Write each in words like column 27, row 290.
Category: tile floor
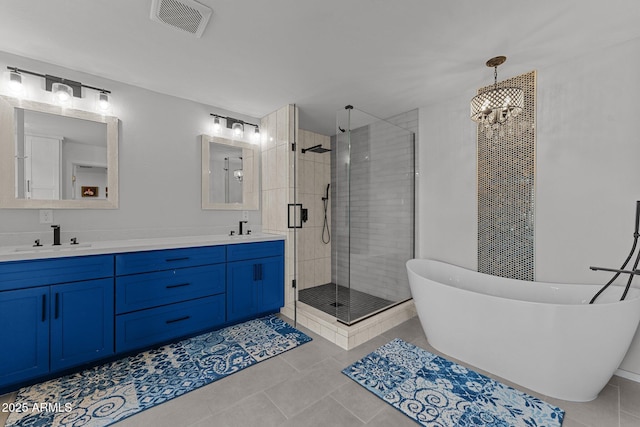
column 304, row 387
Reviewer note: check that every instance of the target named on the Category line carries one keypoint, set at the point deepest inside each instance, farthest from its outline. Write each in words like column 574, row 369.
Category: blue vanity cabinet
column 24, row 352
column 167, row 294
column 51, row 319
column 81, row 322
column 255, row 279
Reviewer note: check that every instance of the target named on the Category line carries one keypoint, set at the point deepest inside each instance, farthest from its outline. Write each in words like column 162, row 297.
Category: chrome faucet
column 240, row 227
column 56, row 235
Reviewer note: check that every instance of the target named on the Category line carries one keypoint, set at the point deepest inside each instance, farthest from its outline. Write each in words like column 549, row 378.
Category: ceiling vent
column 184, row 15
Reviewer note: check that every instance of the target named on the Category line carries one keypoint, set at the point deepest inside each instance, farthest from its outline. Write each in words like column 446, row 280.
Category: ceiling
column 384, row 57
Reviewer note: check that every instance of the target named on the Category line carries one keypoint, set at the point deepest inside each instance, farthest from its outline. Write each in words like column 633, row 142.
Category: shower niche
column 358, row 188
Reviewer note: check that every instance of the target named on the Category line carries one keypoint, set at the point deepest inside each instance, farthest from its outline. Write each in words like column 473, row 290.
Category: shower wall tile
column 313, row 175
column 408, row 120
column 283, row 124
column 305, row 139
column 268, row 131
column 281, row 171
column 306, row 273
column 321, row 176
column 275, row 171
column 325, row 141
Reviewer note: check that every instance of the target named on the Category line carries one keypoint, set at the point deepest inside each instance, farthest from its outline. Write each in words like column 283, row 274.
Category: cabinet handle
column 177, row 286
column 177, row 259
column 44, row 308
column 179, row 319
column 57, row 305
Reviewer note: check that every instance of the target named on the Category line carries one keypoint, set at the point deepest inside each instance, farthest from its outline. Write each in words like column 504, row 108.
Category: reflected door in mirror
column 41, row 168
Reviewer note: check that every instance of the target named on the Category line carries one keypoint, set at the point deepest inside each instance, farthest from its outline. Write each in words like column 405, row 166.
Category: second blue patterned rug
column 111, row 392
column 437, row 392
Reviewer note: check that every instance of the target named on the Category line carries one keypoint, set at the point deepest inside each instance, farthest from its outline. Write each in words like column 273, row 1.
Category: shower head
column 316, row 149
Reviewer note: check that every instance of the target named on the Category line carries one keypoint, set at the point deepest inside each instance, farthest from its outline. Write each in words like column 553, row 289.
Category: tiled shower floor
column 351, row 305
column 304, row 387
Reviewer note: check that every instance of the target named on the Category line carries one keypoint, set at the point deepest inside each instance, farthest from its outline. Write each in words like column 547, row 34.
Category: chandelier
column 495, row 109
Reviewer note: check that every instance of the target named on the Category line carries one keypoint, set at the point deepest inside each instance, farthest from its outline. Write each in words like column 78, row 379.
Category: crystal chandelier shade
column 498, row 106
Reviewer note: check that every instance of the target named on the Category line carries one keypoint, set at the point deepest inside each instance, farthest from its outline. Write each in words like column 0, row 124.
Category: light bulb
column 238, row 129
column 256, row 135
column 15, row 83
column 216, row 125
column 62, row 93
column 103, row 102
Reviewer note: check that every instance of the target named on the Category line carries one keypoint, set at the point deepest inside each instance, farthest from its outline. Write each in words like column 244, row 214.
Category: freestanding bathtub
column 543, row 336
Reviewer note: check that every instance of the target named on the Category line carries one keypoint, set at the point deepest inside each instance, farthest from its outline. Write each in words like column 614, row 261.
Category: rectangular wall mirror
column 230, row 174
column 56, row 158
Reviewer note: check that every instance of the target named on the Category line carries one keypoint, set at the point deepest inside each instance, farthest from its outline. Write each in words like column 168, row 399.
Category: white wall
column 587, row 172
column 159, row 157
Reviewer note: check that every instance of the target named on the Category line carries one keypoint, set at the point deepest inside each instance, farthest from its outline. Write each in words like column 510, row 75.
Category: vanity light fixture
column 236, row 126
column 103, row 101
column 216, row 124
column 15, row 82
column 63, row 89
column 498, row 106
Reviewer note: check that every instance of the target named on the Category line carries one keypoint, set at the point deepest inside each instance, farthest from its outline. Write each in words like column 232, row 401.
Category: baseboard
column 628, row 375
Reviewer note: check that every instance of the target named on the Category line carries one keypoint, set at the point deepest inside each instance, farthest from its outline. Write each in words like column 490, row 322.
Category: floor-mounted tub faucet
column 56, row 235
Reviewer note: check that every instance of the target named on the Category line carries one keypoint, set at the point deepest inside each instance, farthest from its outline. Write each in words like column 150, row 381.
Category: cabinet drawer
column 156, row 325
column 141, row 291
column 31, row 273
column 242, row 251
column 168, row 259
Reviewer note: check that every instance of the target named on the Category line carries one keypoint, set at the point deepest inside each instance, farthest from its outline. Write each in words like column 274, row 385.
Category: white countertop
column 17, row 253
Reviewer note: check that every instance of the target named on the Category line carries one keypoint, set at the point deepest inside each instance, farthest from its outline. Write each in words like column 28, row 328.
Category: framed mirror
column 230, row 174
column 56, row 158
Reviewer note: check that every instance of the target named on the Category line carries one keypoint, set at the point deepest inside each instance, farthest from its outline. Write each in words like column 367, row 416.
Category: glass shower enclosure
column 363, row 219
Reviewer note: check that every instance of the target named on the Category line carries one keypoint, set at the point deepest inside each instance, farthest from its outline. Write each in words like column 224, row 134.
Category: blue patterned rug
column 111, row 392
column 437, row 392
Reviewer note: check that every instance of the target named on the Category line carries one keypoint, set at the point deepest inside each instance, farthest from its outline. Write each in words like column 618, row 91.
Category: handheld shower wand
column 325, row 227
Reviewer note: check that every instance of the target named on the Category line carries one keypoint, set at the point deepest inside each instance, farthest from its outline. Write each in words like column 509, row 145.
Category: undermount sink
column 67, row 247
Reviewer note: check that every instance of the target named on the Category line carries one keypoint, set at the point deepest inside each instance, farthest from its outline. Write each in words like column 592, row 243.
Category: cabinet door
column 82, row 318
column 24, row 334
column 242, row 289
column 272, row 284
